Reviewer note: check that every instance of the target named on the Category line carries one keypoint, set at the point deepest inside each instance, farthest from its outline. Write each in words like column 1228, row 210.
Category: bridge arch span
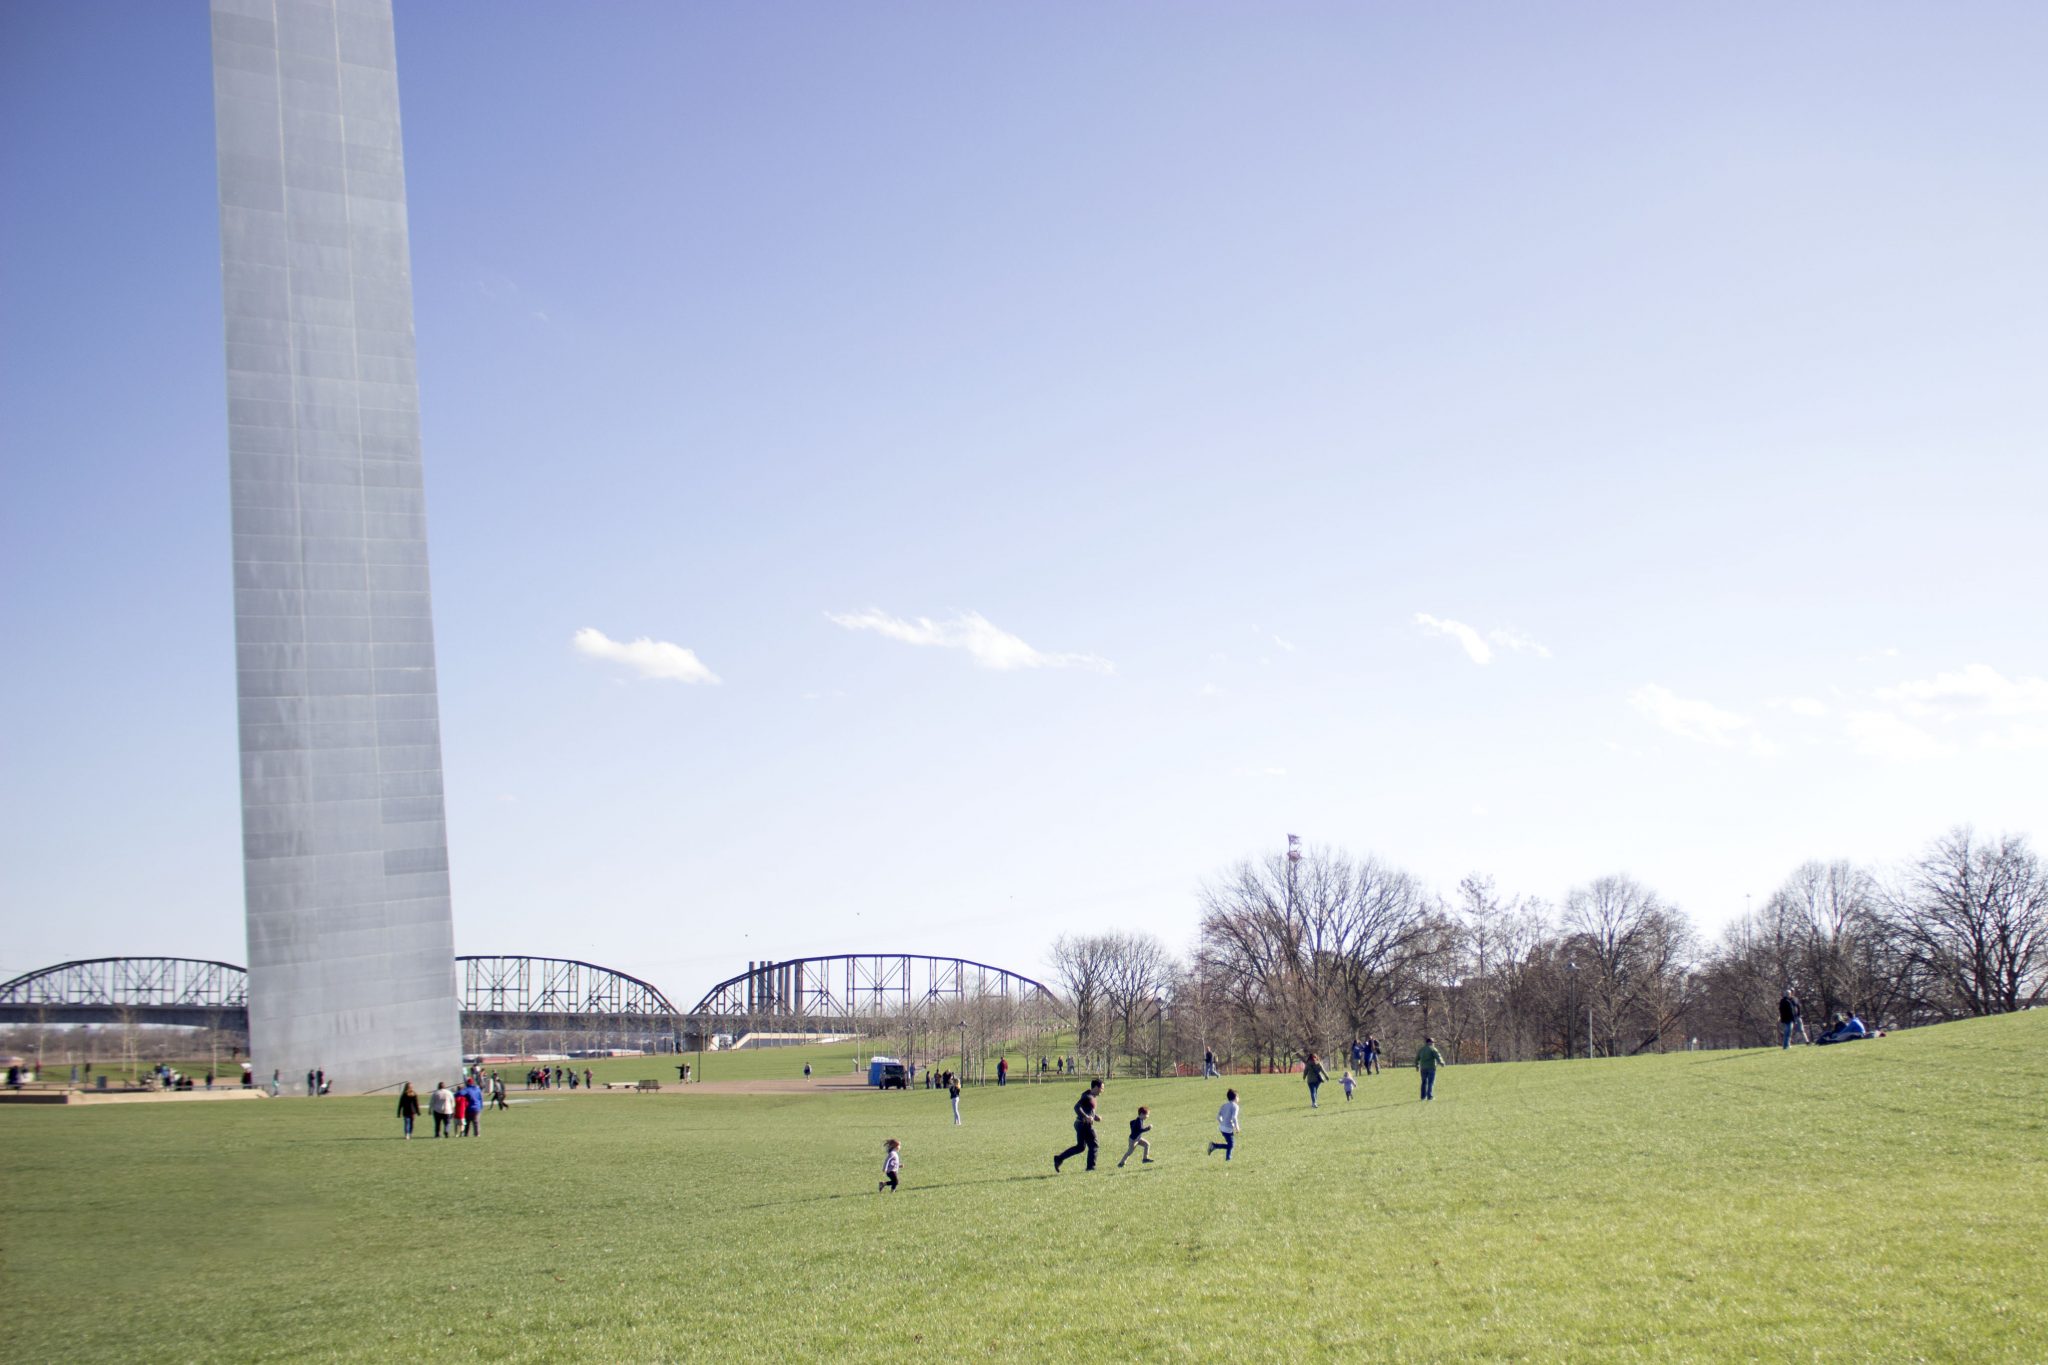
column 838, row 991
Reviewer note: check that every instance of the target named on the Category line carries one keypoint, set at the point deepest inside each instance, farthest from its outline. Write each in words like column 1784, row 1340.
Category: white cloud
column 2018, row 737
column 1880, row 734
column 1516, row 642
column 1479, row 648
column 1977, row 689
column 1475, row 646
column 1799, row 706
column 1687, row 717
column 1208, row 689
column 987, row 644
column 649, row 658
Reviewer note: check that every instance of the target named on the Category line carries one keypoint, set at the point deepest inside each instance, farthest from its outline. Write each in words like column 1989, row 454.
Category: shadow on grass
column 907, row 1189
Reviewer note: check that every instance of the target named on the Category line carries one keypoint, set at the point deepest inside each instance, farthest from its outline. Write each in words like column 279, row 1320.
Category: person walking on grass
column 1372, row 1055
column 1140, row 1126
column 1229, row 1119
column 408, row 1108
column 1312, row 1071
column 1790, row 1017
column 1086, row 1113
column 892, row 1165
column 1348, row 1081
column 442, row 1105
column 474, row 1094
column 1427, row 1059
column 953, row 1094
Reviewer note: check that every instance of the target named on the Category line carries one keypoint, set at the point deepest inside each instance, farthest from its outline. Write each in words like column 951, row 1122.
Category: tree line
column 1300, row 955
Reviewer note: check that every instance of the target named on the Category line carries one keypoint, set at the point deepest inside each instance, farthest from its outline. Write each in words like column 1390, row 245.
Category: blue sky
column 1085, row 443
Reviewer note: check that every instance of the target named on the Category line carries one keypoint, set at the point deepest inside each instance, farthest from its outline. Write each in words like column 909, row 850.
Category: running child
column 1228, row 1120
column 1348, row 1082
column 892, row 1162
column 1140, row 1126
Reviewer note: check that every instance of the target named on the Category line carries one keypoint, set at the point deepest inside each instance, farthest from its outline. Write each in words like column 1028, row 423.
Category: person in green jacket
column 1427, row 1060
column 1312, row 1071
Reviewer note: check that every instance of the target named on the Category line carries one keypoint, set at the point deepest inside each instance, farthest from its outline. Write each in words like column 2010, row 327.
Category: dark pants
column 407, row 1119
column 1084, row 1141
column 1229, row 1144
column 1429, row 1083
column 440, row 1125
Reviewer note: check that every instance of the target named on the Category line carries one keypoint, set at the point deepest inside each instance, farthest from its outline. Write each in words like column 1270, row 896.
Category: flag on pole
column 1294, row 848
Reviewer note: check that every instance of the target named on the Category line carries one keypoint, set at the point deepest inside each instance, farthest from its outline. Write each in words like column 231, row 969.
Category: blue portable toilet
column 875, row 1067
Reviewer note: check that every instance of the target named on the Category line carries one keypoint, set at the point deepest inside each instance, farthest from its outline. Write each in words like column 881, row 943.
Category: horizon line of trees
column 1298, row 956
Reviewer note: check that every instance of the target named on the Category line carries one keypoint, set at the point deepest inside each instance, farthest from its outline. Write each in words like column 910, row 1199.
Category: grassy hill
column 1880, row 1201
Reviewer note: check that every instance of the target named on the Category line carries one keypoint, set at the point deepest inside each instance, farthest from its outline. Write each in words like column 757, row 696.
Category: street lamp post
column 962, row 1026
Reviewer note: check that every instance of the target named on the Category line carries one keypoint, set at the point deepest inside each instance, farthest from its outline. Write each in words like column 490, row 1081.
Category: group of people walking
column 456, row 1111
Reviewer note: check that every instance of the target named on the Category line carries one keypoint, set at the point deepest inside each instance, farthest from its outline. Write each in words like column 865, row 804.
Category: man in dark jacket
column 1085, row 1115
column 1313, row 1072
column 1789, row 1018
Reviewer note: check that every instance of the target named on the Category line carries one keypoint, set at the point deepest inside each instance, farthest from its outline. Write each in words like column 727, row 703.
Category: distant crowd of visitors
column 548, row 1077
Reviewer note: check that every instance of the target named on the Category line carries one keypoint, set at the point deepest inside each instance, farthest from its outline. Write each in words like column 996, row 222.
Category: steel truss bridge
column 189, row 991
column 543, row 994
column 840, row 994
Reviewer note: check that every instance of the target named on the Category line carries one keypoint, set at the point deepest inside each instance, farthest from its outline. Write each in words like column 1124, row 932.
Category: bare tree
column 1082, row 963
column 1303, row 952
column 1632, row 950
column 1136, row 975
column 1975, row 916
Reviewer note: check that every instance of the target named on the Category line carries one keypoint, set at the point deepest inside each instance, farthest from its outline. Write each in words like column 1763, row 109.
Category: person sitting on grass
column 1847, row 1030
column 892, row 1162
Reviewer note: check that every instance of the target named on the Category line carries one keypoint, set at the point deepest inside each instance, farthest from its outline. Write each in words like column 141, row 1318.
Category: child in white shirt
column 1227, row 1119
column 892, row 1162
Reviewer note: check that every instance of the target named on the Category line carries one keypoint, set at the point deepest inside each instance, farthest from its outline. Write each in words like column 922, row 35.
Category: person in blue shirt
column 475, row 1092
column 1847, row 1030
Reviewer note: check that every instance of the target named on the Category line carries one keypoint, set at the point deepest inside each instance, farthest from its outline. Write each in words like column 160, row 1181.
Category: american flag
column 1294, row 848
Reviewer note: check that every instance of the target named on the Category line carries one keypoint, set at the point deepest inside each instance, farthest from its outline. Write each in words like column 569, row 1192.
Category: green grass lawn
column 1885, row 1201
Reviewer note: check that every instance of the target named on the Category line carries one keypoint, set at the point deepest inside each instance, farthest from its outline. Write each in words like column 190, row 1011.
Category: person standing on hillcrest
column 1790, row 1017
column 1427, row 1059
